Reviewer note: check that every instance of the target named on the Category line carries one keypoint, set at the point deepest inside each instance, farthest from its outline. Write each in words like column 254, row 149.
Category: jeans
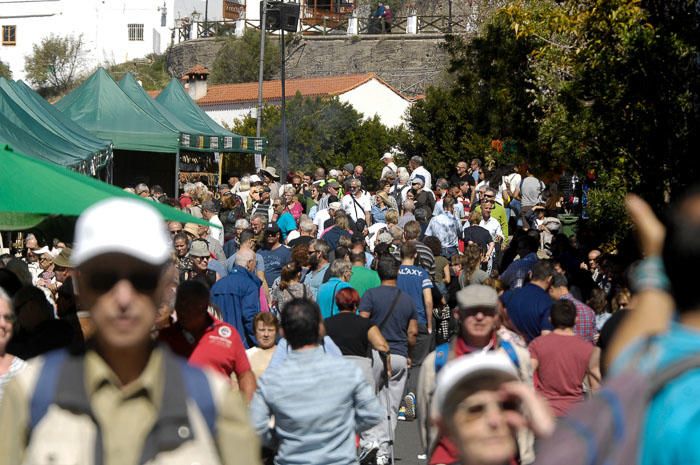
column 425, row 343
column 449, row 252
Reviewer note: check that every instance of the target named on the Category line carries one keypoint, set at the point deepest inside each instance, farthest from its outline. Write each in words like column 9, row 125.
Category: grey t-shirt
column 531, row 191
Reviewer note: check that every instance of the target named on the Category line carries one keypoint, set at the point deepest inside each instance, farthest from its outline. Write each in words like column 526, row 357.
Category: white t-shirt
column 216, row 233
column 493, row 227
column 356, row 208
column 321, row 217
column 426, row 174
column 388, row 169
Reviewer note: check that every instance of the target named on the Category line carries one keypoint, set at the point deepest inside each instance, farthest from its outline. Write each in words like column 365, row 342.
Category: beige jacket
column 425, row 407
column 69, row 434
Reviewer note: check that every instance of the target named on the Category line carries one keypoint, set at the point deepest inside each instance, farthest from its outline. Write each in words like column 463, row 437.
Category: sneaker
column 368, row 456
column 422, row 456
column 382, row 460
column 402, row 414
column 410, row 403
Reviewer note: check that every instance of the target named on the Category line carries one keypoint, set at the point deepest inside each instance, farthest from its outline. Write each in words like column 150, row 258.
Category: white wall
column 102, row 23
column 374, row 98
column 371, row 98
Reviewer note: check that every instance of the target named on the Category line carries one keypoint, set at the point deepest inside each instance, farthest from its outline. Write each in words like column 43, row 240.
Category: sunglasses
column 145, row 282
column 476, row 410
column 474, row 311
column 200, row 258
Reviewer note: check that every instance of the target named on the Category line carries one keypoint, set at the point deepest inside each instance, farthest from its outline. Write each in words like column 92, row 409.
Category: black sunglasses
column 145, row 282
column 474, row 311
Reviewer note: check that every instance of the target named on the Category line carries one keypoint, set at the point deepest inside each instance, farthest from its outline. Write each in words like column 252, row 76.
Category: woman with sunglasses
column 9, row 364
column 481, row 404
column 200, row 255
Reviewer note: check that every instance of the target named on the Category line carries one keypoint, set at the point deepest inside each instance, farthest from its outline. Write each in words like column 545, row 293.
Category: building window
column 136, row 32
column 9, row 35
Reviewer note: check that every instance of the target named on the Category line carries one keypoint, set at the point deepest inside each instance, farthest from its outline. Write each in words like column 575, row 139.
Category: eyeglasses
column 474, row 311
column 145, row 282
column 200, row 258
column 475, row 410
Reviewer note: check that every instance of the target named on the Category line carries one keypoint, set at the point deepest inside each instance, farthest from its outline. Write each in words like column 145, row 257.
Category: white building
column 367, row 93
column 114, row 31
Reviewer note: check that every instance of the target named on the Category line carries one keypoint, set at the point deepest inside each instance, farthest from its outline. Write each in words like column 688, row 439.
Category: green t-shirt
column 363, row 279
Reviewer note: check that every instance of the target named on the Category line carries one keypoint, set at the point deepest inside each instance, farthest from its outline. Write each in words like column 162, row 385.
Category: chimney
column 195, row 80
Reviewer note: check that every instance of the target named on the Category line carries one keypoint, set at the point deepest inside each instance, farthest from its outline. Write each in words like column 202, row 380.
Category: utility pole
column 285, row 154
column 449, row 14
column 261, row 71
column 206, row 18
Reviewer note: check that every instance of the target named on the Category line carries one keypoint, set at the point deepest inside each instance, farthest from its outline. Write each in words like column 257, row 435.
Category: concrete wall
column 408, row 63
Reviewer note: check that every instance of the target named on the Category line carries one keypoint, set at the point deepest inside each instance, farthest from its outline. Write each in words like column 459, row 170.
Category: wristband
column 650, row 274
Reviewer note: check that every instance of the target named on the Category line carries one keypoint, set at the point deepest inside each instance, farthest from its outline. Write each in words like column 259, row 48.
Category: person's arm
column 653, row 309
column 593, row 371
column 377, row 339
column 489, row 252
column 446, row 272
column 428, row 303
column 247, row 384
column 251, row 307
column 412, row 334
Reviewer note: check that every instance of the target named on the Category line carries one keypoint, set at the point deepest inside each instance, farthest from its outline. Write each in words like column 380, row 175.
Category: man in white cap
column 324, row 215
column 481, row 405
column 389, row 165
column 478, row 325
column 125, row 400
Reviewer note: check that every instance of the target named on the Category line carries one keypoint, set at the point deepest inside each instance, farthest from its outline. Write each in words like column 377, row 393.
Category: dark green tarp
column 43, row 135
column 57, row 191
column 101, row 107
column 177, row 100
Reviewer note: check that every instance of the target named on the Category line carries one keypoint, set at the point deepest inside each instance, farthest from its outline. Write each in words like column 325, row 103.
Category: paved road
column 407, row 444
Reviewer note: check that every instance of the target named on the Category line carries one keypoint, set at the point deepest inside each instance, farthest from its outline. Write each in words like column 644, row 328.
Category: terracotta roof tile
column 272, row 90
column 196, row 69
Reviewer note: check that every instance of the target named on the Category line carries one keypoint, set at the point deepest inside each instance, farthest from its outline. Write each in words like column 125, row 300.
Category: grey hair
column 307, row 226
column 340, row 267
column 4, row 296
column 244, row 256
column 242, row 223
column 417, row 160
column 290, row 189
column 404, row 177
column 189, row 187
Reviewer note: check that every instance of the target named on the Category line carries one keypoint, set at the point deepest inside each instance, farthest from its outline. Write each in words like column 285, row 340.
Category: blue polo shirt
column 528, row 308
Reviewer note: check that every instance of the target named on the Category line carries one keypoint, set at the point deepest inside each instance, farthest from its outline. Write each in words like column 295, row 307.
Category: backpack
column 607, row 428
column 196, row 385
column 442, row 354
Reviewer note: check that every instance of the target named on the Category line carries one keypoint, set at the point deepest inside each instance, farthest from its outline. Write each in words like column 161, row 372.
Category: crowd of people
column 315, row 314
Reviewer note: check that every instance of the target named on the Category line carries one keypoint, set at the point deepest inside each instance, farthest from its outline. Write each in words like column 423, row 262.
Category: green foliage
column 487, row 101
column 606, row 208
column 56, row 63
column 239, row 59
column 151, row 71
column 5, row 71
column 323, row 132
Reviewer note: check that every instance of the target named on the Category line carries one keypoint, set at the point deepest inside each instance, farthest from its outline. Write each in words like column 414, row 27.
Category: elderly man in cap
column 415, row 164
column 389, row 165
column 481, row 405
column 422, row 198
column 325, row 217
column 271, row 179
column 210, row 212
column 125, row 400
column 478, row 325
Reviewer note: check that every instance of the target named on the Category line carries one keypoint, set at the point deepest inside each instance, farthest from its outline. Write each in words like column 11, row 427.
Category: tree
column 152, row 72
column 323, row 132
column 5, row 71
column 239, row 59
column 56, row 63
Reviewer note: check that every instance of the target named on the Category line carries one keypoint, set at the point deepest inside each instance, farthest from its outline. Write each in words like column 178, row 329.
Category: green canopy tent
column 67, row 193
column 145, row 148
column 176, row 99
column 59, row 123
column 45, row 137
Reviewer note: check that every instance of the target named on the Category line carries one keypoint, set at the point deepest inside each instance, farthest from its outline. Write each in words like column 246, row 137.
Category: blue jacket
column 238, row 297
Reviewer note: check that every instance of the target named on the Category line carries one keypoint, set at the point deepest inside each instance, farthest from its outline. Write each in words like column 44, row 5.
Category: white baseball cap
column 123, row 225
column 386, row 156
column 472, row 373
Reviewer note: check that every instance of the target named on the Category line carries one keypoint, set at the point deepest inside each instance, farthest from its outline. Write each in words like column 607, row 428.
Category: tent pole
column 221, row 168
column 261, row 70
column 177, row 172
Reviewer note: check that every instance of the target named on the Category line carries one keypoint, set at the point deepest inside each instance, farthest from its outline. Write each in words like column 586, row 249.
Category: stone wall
column 408, row 63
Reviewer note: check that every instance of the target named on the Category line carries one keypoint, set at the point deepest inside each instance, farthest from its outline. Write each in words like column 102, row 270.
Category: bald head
column 246, row 259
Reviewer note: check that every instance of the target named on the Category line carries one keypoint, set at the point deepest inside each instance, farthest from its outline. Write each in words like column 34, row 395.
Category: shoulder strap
column 199, row 390
column 663, row 377
column 442, row 353
column 45, row 389
column 510, row 350
column 391, row 309
column 335, row 288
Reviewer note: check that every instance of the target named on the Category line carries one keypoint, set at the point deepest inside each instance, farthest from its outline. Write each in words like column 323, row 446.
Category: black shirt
column 301, row 240
column 349, row 332
column 478, row 235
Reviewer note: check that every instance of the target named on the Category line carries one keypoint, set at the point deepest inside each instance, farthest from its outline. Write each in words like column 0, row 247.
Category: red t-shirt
column 220, row 347
column 562, row 364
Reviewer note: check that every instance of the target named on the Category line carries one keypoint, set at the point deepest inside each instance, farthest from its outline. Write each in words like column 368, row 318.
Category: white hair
column 6, row 298
column 306, row 226
column 242, row 223
column 189, row 187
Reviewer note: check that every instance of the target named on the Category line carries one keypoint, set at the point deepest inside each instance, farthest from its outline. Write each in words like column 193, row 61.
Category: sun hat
column 270, row 171
column 122, row 225
column 334, row 206
column 349, row 167
column 63, row 258
column 199, row 249
column 471, row 373
column 191, row 228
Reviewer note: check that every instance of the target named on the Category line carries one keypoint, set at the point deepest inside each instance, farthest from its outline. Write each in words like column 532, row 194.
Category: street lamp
column 206, row 18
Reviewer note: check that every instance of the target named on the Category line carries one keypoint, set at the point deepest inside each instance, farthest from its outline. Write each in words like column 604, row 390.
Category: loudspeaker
column 281, row 15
